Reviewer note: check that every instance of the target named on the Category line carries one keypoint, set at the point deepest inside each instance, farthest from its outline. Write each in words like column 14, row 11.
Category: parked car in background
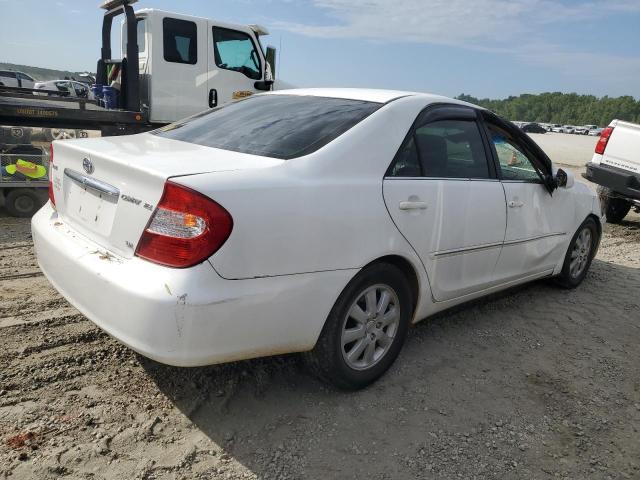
column 568, row 129
column 615, row 167
column 533, row 128
column 596, row 132
column 74, row 88
column 557, row 128
column 580, row 130
column 9, row 78
column 298, row 221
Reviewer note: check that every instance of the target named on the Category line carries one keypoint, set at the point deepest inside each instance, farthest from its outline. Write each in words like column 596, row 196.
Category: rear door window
column 452, row 149
column 278, row 126
column 234, row 50
column 443, row 149
column 180, row 42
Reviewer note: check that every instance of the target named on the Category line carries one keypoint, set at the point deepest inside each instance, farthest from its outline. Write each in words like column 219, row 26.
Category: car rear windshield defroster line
column 278, row 126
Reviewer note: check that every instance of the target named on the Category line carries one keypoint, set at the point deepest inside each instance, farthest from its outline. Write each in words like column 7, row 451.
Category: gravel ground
column 566, row 149
column 534, row 383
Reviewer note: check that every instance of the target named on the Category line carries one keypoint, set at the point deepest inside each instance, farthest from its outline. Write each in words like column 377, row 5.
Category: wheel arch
column 407, row 269
column 598, row 222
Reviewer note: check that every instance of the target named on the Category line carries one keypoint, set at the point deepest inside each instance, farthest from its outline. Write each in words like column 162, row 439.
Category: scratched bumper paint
column 183, row 317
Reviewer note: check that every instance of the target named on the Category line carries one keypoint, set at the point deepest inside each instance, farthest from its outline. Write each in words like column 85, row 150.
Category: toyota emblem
column 87, row 165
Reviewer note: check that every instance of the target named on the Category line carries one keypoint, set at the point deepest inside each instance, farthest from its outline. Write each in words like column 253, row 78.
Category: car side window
column 514, row 163
column 234, row 50
column 451, row 149
column 180, row 41
column 443, row 149
column 406, row 163
column 81, row 91
column 63, row 86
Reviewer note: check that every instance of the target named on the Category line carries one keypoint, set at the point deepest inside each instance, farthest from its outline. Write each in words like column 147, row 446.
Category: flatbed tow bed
column 21, row 107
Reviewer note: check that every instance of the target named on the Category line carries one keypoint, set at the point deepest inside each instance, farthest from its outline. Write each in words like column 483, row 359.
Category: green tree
column 564, row 108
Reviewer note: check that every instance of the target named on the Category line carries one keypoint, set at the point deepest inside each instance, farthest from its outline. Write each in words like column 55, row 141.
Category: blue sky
column 485, row 48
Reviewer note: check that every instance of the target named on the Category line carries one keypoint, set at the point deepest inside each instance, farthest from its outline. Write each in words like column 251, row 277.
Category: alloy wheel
column 580, row 253
column 370, row 326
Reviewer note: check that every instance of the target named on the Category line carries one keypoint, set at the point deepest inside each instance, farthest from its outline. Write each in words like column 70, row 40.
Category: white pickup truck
column 615, row 167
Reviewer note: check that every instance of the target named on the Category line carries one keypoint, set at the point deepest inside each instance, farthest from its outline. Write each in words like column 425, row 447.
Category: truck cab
column 189, row 64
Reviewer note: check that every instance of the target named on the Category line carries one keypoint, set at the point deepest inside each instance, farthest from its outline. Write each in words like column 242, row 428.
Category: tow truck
column 171, row 66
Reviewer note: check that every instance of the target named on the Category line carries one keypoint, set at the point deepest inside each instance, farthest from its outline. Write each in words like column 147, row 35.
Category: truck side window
column 234, row 50
column 180, row 41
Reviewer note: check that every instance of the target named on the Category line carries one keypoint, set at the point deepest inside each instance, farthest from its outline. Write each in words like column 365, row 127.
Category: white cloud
column 511, row 27
column 486, row 23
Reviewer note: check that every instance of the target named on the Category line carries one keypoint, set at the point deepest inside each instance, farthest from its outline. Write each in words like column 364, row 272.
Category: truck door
column 235, row 64
column 179, row 85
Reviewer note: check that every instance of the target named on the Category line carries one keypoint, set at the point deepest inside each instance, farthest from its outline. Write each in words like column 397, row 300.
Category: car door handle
column 408, row 205
column 515, row 204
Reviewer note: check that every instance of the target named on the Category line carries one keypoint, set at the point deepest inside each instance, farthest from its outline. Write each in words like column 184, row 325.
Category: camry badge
column 87, row 165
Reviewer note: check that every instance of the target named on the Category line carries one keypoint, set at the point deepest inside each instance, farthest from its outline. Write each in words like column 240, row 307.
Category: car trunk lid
column 107, row 188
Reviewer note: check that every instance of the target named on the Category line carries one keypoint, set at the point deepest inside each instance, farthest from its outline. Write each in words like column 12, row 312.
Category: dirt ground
column 535, row 383
column 566, row 149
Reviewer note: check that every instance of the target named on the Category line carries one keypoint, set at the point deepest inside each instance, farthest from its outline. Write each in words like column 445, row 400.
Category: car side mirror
column 564, row 178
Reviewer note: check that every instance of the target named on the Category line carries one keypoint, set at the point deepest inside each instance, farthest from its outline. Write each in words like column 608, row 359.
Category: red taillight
column 186, row 228
column 51, row 195
column 604, row 139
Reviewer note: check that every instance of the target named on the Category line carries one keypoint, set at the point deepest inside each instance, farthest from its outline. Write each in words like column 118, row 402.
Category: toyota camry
column 323, row 221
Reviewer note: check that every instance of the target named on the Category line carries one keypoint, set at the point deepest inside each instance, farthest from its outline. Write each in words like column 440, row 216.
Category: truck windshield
column 278, row 126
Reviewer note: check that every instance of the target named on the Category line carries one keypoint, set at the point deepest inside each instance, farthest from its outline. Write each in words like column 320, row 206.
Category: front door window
column 514, row 164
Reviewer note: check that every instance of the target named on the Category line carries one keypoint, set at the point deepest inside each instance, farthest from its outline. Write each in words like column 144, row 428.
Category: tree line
column 563, row 108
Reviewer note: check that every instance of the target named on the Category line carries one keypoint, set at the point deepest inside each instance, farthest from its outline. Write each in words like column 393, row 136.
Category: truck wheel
column 22, row 202
column 614, row 208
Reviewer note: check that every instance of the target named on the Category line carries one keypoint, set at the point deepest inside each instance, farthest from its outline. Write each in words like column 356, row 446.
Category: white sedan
column 323, row 221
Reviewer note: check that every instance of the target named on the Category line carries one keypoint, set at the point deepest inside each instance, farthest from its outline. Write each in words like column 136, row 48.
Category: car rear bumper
column 184, row 317
column 620, row 181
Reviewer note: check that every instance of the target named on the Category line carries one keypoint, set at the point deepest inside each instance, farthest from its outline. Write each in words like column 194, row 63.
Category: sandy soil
column 534, row 383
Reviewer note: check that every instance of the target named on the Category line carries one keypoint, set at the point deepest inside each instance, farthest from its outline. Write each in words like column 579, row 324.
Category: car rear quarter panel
column 321, row 212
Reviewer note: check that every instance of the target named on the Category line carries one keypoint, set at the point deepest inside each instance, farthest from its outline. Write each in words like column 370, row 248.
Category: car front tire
column 582, row 249
column 365, row 330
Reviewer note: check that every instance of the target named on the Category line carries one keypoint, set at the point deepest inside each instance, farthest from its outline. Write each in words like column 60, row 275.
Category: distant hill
column 40, row 73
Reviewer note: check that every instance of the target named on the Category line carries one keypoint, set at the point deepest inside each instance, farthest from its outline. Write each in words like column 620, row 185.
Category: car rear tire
column 614, row 208
column 582, row 248
column 365, row 330
column 22, row 202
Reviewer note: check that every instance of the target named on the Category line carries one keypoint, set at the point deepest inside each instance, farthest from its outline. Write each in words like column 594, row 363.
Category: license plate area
column 89, row 202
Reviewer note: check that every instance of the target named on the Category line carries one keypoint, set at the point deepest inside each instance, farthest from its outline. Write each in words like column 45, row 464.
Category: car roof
column 364, row 94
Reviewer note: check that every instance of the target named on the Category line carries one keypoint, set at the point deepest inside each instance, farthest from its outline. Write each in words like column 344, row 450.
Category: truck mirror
column 271, row 60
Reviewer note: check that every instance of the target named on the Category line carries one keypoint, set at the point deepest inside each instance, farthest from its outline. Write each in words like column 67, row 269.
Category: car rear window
column 278, row 126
